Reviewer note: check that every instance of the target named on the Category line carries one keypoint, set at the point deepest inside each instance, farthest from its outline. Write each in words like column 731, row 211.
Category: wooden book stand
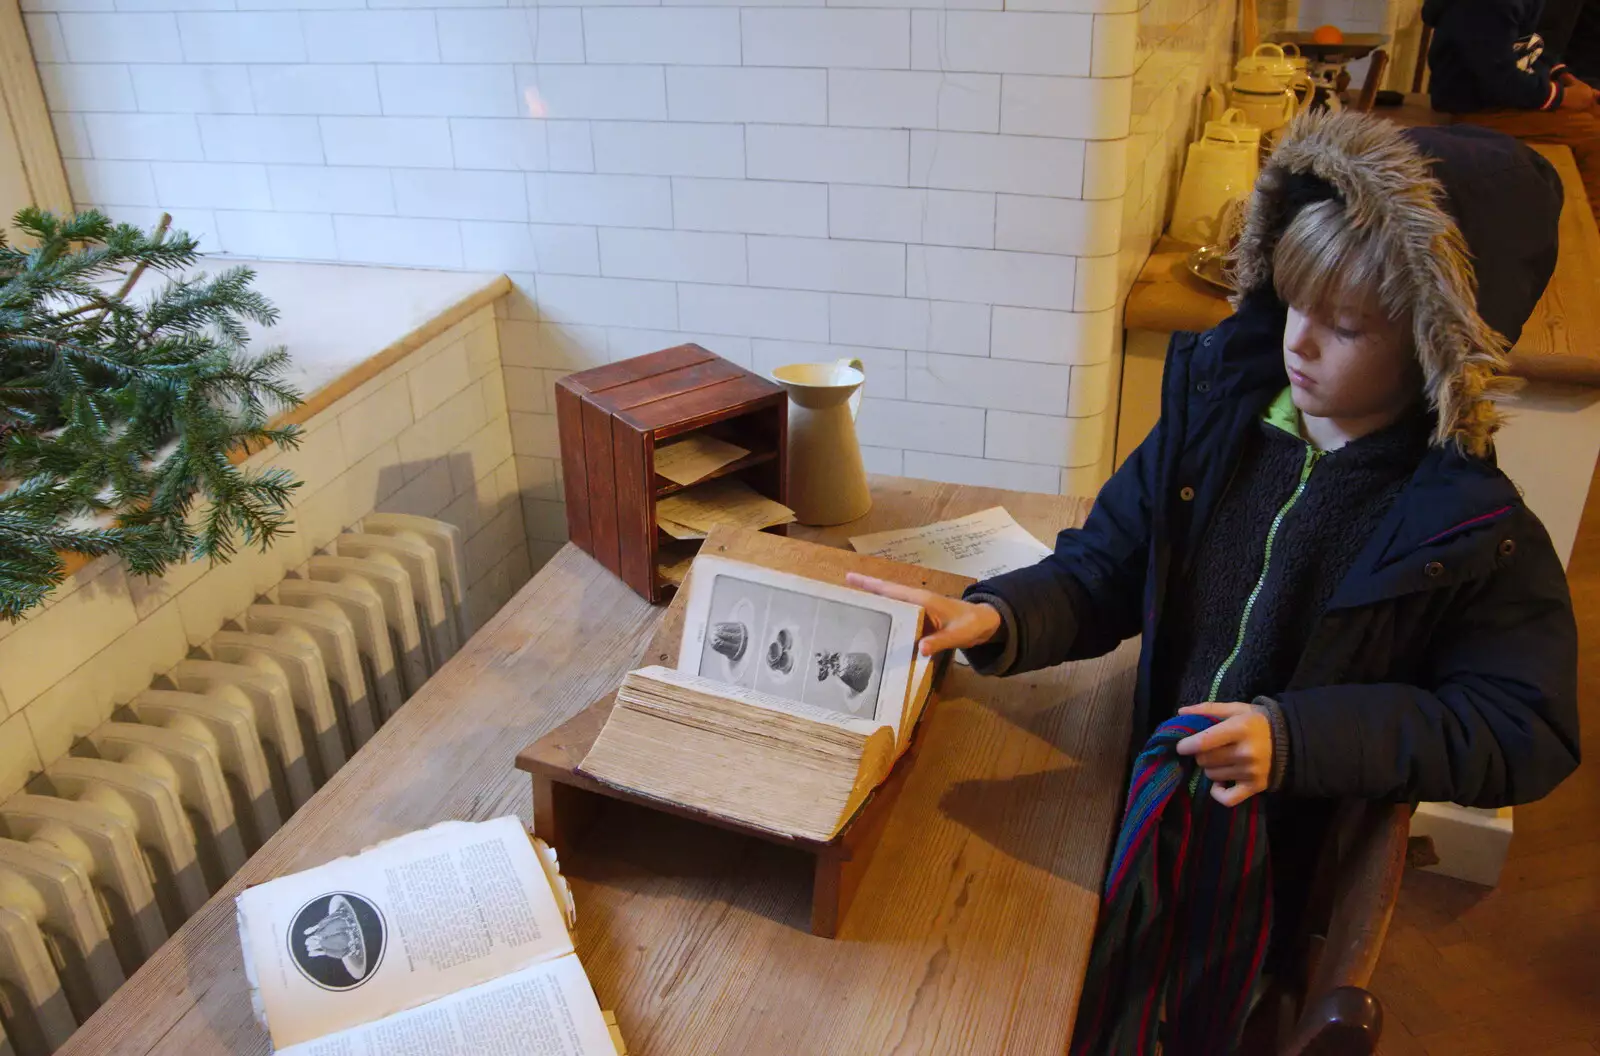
column 565, row 801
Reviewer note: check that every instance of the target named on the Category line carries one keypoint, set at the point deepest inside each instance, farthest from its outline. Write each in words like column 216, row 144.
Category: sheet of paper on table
column 730, row 502
column 979, row 545
column 695, row 457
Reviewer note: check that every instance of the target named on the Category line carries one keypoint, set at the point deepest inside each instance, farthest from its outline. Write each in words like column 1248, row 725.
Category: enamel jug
column 827, row 479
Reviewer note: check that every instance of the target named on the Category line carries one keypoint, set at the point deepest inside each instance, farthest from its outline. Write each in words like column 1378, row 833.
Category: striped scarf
column 1185, row 915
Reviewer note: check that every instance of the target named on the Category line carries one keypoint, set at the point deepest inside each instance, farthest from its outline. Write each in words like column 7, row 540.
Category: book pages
column 544, row 1010
column 396, row 926
column 632, row 685
column 798, row 639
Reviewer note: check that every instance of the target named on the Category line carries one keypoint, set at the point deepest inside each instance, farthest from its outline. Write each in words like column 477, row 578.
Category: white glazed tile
column 602, row 199
column 1077, row 338
column 457, row 90
column 51, row 644
column 516, row 143
column 1069, row 107
column 939, row 428
column 981, row 472
column 827, row 264
column 974, row 381
column 827, row 155
column 1071, row 226
column 1044, row 440
column 965, row 161
column 747, row 95
column 611, row 93
column 689, row 256
column 307, row 89
column 1026, row 280
column 671, row 149
column 963, row 102
column 606, row 302
column 237, row 36
column 1001, row 42
column 787, row 314
column 826, row 38
column 914, row 215
column 371, row 36
column 102, row 37
column 702, row 36
column 757, row 207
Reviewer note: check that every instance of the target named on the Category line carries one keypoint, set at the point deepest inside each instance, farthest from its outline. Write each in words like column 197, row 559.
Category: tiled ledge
column 338, row 342
column 407, row 413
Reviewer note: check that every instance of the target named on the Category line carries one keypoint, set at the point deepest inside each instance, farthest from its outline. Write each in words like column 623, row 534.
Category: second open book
column 789, row 702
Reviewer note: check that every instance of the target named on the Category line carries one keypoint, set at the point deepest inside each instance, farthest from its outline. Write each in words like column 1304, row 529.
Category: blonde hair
column 1388, row 237
column 1324, row 260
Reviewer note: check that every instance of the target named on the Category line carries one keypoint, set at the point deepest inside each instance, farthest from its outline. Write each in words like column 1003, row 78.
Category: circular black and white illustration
column 337, row 940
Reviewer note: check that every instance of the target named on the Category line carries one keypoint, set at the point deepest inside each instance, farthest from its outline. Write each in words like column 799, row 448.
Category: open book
column 790, row 701
column 451, row 941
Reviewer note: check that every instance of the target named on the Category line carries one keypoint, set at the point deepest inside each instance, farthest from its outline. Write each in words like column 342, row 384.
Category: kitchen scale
column 1326, row 63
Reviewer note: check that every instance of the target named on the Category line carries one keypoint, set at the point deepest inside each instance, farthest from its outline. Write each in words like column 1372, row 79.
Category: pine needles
column 129, row 406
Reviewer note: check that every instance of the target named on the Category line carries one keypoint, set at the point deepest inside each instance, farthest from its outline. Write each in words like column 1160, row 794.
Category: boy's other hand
column 1236, row 753
column 957, row 624
column 1575, row 94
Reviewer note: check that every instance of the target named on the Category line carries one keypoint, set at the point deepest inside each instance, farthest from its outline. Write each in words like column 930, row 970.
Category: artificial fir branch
column 115, row 404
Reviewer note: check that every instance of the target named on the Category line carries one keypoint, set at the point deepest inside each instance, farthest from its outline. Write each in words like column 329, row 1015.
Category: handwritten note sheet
column 979, row 545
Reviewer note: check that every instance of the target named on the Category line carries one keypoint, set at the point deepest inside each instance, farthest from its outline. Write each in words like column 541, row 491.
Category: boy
column 1490, row 67
column 1314, row 541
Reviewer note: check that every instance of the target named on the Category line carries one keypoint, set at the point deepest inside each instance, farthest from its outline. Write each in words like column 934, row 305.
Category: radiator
column 66, row 913
column 300, row 664
column 197, row 765
column 331, row 634
column 230, row 727
column 392, row 586
column 362, row 608
column 106, row 845
column 149, row 800
column 268, row 696
column 37, row 1016
column 122, row 840
column 437, row 582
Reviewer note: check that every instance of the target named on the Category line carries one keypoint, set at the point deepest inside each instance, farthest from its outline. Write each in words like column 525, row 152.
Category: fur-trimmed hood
column 1469, row 219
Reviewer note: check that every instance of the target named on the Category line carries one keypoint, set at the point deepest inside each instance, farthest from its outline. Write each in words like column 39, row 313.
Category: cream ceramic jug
column 1267, row 103
column 827, row 480
column 1221, row 168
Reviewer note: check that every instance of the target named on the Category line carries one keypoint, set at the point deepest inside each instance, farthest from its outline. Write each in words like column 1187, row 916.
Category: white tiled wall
column 430, row 435
column 933, row 185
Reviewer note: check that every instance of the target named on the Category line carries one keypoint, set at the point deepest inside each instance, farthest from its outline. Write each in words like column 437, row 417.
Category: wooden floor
column 1516, row 970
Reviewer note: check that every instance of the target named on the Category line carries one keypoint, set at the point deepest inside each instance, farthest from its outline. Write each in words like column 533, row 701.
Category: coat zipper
column 1313, row 456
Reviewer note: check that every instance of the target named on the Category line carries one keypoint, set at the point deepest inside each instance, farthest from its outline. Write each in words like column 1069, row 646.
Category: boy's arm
column 1499, row 725
column 1085, row 598
column 1485, row 36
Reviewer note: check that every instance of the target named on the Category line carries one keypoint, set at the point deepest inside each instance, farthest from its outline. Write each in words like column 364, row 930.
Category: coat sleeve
column 1495, row 724
column 1484, row 39
column 1086, row 597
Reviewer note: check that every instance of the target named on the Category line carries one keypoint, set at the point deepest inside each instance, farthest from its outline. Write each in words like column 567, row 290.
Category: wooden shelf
column 665, row 487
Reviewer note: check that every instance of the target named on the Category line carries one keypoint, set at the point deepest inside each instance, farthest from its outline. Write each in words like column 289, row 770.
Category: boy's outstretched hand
column 957, row 624
column 1238, row 749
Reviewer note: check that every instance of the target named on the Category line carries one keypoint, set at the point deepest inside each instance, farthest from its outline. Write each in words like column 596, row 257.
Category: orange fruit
column 1327, row 35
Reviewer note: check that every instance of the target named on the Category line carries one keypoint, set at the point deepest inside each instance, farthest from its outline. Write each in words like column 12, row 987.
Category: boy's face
column 1350, row 363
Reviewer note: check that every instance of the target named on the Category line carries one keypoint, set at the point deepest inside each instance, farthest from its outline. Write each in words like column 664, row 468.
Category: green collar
column 1284, row 414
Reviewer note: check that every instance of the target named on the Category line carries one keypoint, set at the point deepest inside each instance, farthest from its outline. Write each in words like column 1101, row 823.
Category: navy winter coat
column 1445, row 666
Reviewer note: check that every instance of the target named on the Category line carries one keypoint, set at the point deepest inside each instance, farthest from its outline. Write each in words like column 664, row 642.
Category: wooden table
column 1561, row 341
column 969, row 935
